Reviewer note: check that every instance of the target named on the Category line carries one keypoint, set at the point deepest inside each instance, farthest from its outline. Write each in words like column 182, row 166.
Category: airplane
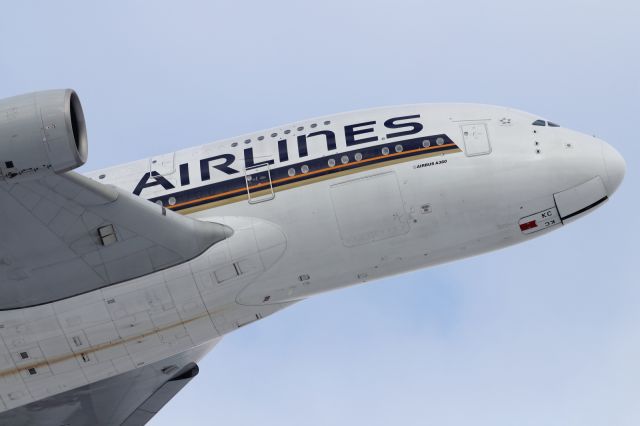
column 115, row 283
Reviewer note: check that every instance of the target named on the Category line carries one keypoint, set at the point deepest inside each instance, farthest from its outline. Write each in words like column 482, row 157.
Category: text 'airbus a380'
column 115, row 283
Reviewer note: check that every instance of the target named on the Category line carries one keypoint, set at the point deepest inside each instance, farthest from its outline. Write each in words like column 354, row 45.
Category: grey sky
column 545, row 333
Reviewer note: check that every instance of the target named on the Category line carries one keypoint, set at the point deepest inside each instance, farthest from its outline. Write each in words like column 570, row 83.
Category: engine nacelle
column 41, row 133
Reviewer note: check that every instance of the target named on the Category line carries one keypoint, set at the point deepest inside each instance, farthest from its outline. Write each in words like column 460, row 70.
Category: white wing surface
column 63, row 235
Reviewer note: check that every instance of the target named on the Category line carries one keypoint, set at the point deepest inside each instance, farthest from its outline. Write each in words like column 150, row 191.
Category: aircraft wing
column 128, row 399
column 65, row 234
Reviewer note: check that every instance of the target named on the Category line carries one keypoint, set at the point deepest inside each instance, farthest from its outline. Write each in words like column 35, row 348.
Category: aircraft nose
column 615, row 167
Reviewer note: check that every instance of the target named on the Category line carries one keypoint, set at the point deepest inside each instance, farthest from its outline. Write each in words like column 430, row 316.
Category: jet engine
column 40, row 134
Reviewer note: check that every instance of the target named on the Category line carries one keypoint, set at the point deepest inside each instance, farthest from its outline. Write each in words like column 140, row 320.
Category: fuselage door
column 162, row 172
column 163, row 164
column 476, row 139
column 259, row 186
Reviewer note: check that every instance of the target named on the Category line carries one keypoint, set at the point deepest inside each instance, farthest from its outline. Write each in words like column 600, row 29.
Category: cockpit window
column 544, row 123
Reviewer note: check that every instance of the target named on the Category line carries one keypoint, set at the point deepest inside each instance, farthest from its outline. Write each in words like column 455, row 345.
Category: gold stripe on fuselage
column 242, row 192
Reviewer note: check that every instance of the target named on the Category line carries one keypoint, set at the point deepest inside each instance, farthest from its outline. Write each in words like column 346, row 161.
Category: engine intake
column 40, row 134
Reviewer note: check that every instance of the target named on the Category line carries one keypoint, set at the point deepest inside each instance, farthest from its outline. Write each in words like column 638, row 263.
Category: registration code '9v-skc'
column 539, row 221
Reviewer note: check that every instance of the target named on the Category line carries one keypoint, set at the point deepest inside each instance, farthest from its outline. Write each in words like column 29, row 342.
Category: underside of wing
column 64, row 235
column 129, row 399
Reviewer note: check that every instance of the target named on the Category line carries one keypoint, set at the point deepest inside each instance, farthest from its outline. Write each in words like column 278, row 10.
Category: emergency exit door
column 476, row 139
column 163, row 164
column 163, row 167
column 259, row 186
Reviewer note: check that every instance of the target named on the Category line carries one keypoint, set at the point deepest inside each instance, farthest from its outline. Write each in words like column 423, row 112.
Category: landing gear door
column 476, row 139
column 259, row 185
column 578, row 200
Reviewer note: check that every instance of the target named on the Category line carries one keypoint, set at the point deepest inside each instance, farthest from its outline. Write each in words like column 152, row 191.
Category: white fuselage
column 315, row 206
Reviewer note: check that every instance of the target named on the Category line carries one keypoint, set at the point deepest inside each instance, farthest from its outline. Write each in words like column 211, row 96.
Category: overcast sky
column 545, row 333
